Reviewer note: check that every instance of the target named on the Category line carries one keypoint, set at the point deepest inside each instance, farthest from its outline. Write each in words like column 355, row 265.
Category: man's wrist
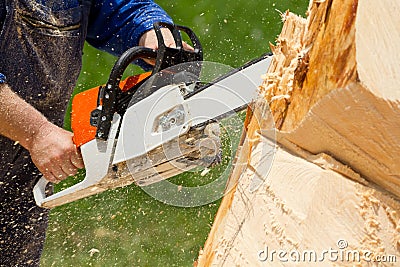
column 41, row 129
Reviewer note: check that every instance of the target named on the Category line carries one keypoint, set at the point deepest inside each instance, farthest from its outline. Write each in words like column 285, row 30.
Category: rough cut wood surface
column 334, row 93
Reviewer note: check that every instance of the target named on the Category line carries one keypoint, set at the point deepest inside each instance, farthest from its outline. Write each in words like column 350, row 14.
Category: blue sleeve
column 117, row 25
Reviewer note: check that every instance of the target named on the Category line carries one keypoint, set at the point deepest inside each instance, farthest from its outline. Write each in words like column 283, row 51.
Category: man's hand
column 149, row 39
column 51, row 147
column 54, row 153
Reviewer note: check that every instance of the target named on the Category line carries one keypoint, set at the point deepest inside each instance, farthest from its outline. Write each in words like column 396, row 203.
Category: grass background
column 127, row 227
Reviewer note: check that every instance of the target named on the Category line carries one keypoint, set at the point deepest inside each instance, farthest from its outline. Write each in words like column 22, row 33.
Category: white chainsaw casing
column 140, row 128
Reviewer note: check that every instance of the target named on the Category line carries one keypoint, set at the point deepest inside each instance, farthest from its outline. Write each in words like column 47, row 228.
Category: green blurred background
column 127, row 227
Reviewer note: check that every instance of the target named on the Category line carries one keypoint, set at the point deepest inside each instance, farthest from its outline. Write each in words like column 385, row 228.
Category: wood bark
column 318, row 167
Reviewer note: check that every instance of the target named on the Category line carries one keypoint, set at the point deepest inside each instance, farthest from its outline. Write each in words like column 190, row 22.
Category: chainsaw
column 154, row 125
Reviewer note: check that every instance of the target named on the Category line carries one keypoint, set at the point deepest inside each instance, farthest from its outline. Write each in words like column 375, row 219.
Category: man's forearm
column 19, row 120
column 51, row 147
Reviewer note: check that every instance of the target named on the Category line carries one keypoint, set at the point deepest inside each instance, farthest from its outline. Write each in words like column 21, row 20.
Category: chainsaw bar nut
column 170, row 119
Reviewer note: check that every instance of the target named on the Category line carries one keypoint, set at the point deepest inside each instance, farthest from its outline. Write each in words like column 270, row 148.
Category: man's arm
column 117, row 25
column 51, row 147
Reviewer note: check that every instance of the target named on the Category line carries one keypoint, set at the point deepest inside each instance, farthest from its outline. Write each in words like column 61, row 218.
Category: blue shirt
column 114, row 25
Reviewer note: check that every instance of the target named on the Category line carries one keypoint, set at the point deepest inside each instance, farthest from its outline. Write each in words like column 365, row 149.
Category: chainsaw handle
column 130, row 55
column 103, row 115
column 170, row 56
column 39, row 191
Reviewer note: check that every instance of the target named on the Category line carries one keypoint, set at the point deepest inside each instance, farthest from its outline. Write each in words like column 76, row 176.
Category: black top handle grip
column 130, row 55
column 170, row 56
column 102, row 116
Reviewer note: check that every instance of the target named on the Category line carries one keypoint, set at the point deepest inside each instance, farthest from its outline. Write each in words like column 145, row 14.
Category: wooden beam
column 332, row 105
column 300, row 207
column 334, row 180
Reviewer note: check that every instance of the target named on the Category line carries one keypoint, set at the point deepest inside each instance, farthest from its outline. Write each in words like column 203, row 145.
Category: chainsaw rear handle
column 165, row 57
column 97, row 156
column 39, row 191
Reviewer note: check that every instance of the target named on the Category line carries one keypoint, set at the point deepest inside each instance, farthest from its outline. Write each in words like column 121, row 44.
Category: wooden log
column 333, row 184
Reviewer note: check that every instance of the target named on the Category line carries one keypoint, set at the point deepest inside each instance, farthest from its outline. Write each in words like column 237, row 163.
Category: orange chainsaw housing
column 85, row 102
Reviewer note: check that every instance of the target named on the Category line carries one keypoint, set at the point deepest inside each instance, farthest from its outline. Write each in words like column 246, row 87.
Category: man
column 41, row 44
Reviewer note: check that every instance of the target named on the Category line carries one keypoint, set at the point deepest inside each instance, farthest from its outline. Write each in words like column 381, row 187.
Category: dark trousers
column 41, row 60
column 22, row 223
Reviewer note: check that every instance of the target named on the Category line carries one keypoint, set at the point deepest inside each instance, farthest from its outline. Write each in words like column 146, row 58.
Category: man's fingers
column 58, row 174
column 76, row 160
column 187, row 47
column 149, row 39
column 50, row 177
column 71, row 167
column 150, row 61
column 171, row 44
column 68, row 168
